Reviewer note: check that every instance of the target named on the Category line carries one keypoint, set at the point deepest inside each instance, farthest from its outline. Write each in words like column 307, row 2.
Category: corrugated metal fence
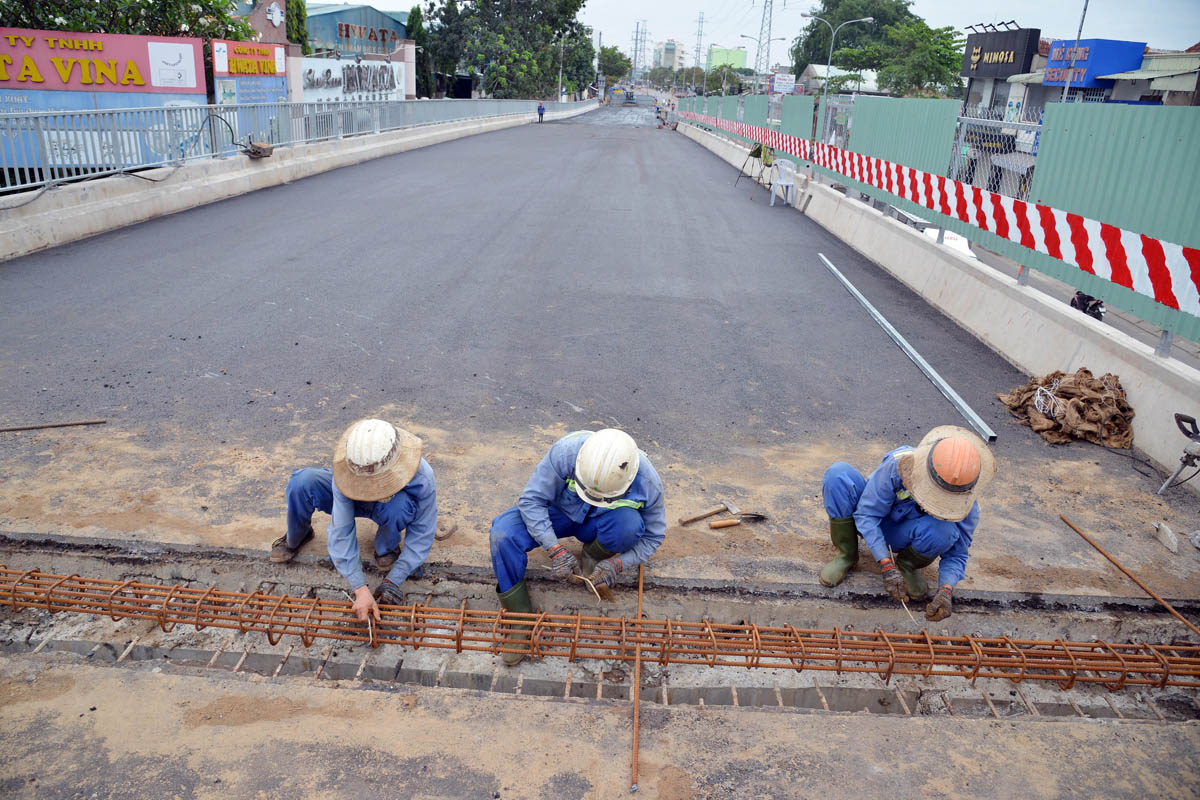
column 1133, row 167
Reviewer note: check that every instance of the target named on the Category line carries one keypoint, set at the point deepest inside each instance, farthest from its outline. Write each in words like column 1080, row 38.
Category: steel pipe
column 575, row 636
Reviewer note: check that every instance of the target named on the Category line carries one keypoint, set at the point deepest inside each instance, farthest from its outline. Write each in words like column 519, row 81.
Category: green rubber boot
column 844, row 536
column 910, row 564
column 593, row 554
column 516, row 599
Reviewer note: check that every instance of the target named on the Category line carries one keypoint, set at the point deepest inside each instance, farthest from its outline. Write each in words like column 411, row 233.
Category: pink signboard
column 99, row 62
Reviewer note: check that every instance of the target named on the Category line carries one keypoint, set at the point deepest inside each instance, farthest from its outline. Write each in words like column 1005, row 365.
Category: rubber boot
column 910, row 564
column 516, row 599
column 593, row 553
column 844, row 536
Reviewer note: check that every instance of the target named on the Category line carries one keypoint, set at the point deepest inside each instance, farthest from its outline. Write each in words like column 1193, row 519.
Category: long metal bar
column 1131, row 576
column 973, row 419
column 578, row 637
column 637, row 686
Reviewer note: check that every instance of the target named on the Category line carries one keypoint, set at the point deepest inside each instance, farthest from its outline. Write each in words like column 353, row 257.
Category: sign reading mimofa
column 56, row 70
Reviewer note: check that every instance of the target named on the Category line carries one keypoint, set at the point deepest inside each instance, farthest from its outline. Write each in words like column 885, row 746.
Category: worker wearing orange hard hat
column 918, row 506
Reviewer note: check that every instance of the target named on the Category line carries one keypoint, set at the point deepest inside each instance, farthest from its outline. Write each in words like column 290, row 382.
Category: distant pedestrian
column 541, row 110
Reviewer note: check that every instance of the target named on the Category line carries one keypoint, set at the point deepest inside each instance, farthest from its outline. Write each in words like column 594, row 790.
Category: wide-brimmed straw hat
column 374, row 459
column 947, row 482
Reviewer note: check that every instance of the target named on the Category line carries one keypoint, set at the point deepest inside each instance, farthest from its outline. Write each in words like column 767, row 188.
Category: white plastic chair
column 784, row 177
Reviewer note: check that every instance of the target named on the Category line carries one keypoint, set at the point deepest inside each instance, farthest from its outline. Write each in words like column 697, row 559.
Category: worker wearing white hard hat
column 378, row 474
column 594, row 486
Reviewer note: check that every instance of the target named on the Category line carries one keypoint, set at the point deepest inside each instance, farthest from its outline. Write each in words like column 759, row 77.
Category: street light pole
column 829, row 65
column 561, row 41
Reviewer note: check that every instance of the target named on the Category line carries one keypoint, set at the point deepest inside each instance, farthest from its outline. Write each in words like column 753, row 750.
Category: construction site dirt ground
column 70, row 731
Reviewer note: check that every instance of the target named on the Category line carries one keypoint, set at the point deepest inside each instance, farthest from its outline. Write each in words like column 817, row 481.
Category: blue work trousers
column 843, row 487
column 617, row 530
column 310, row 490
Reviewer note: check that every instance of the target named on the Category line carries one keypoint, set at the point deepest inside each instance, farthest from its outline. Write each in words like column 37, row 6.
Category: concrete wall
column 1034, row 332
column 78, row 210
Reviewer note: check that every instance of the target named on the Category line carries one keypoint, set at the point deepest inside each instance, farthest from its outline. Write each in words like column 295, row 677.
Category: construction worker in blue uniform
column 919, row 505
column 378, row 473
column 596, row 487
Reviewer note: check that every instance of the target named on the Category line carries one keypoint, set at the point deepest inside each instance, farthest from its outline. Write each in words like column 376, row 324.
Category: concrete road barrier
column 1034, row 332
column 33, row 221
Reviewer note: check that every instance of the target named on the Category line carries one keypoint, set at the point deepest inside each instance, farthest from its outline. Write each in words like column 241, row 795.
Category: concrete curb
column 1035, row 333
column 75, row 211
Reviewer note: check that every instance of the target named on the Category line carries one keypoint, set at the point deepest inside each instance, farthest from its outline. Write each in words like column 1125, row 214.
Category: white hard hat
column 606, row 466
column 374, row 459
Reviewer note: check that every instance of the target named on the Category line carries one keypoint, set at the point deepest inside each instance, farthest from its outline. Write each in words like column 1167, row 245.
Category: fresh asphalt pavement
column 552, row 276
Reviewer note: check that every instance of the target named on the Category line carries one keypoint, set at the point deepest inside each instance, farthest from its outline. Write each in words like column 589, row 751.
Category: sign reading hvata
column 364, row 33
column 1000, row 54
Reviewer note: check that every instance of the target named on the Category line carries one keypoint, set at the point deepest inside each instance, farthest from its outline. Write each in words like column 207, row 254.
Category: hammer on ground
column 732, row 509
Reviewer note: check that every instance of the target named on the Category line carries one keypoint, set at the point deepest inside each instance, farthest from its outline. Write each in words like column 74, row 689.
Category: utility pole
column 600, row 79
column 562, row 39
column 762, row 58
column 1071, row 68
column 696, row 63
column 633, row 69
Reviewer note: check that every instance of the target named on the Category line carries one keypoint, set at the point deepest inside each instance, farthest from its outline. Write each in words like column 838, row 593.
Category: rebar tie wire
column 576, row 637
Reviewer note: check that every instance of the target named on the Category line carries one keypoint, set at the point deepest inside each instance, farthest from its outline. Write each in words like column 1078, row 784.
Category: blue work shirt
column 549, row 484
column 887, row 515
column 420, row 494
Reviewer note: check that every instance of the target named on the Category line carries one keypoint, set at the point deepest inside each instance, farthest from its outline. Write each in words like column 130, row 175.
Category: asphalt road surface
column 598, row 271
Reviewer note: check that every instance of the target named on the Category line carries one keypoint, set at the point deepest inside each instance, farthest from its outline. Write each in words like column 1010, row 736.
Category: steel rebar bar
column 1130, row 575
column 637, row 686
column 578, row 637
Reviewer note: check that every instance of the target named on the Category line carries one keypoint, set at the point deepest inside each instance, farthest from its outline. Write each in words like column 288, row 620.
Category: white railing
column 45, row 148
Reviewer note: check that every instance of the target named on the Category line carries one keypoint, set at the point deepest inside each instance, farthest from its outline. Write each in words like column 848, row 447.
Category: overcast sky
column 1167, row 24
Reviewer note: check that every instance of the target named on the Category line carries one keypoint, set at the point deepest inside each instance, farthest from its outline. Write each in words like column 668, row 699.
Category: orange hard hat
column 954, row 464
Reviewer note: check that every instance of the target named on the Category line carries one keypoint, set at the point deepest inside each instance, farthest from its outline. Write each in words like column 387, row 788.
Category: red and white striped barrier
column 1166, row 272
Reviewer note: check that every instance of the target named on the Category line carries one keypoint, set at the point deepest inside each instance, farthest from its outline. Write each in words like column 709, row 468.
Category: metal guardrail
column 45, row 148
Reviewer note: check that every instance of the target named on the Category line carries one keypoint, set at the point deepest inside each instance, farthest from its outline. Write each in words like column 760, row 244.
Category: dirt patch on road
column 237, row 710
column 35, row 690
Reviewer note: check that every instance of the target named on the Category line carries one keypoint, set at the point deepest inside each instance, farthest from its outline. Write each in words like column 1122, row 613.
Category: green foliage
column 614, row 65
column 660, row 76
column 415, row 27
column 924, row 62
column 297, row 24
column 845, row 83
column 516, row 43
column 725, row 80
column 450, row 27
column 863, row 45
column 578, row 56
column 206, row 19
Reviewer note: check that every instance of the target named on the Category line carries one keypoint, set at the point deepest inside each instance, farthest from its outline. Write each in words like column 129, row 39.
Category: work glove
column 389, row 593
column 562, row 563
column 606, row 572
column 939, row 608
column 893, row 581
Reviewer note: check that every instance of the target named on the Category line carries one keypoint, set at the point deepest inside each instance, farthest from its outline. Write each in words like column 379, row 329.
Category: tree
column 205, row 19
column 516, row 43
column 660, row 76
column 863, row 45
column 450, row 29
column 297, row 24
column 578, row 57
column 416, row 31
column 614, row 65
column 924, row 62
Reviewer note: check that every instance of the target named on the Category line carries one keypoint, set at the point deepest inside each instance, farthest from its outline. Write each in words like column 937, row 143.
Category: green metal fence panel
column 796, row 118
column 754, row 110
column 729, row 111
column 1136, row 167
column 913, row 132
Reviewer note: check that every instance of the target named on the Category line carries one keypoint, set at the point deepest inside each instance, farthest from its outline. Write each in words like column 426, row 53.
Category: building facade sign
column 336, row 80
column 1000, row 54
column 248, row 72
column 1091, row 58
column 55, row 70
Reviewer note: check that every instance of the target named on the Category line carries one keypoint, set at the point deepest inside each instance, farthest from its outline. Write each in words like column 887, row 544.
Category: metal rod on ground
column 637, row 685
column 1131, row 576
column 53, row 425
column 973, row 419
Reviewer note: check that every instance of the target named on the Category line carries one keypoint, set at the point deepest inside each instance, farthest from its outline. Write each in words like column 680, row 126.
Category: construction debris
column 1194, row 537
column 1166, row 537
column 1113, row 665
column 1064, row 407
